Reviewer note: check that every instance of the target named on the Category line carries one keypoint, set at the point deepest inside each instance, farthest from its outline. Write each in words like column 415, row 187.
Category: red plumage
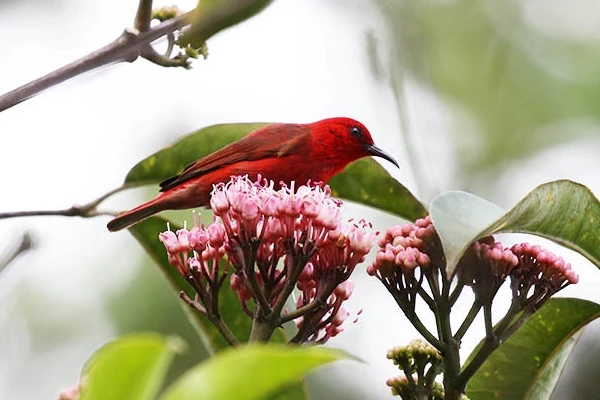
column 279, row 152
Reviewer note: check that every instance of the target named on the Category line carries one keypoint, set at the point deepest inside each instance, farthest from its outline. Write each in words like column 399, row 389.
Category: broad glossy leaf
column 251, row 372
column 546, row 383
column 563, row 211
column 364, row 181
column 514, row 369
column 130, row 368
column 212, row 16
column 172, row 159
column 146, row 232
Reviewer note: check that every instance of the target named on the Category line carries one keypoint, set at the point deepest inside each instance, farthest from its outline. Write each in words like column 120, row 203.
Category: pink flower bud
column 249, row 209
column 216, row 234
column 218, row 201
column 169, row 239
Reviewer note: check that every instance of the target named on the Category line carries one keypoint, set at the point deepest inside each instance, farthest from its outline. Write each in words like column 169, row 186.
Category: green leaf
column 172, row 159
column 563, row 211
column 546, row 383
column 533, row 357
column 364, row 181
column 251, row 372
column 130, row 368
column 212, row 16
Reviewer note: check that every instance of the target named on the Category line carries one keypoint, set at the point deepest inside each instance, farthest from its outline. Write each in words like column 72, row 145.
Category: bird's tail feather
column 131, row 217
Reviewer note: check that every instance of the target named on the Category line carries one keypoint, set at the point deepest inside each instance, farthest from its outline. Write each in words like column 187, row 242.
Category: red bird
column 279, row 152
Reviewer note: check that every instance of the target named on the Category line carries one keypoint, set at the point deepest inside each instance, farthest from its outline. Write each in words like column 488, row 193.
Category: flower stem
column 490, row 344
column 261, row 330
column 215, row 319
column 473, row 312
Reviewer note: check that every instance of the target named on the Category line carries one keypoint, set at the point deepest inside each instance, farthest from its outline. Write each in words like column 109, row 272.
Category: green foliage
column 251, row 372
column 528, row 364
column 364, row 181
column 134, row 366
column 511, row 78
column 131, row 368
column 212, row 16
column 563, row 211
column 171, row 160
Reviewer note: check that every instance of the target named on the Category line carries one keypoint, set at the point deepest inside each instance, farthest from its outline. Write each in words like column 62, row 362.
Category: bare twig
column 127, row 47
column 85, row 211
column 25, row 245
column 143, row 15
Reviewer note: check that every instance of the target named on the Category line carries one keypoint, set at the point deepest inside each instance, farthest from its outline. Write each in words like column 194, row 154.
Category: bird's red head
column 343, row 140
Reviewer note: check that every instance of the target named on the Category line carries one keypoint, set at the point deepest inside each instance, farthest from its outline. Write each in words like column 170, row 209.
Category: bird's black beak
column 377, row 152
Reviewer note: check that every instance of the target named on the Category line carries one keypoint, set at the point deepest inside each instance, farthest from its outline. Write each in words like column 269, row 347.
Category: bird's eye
column 356, row 132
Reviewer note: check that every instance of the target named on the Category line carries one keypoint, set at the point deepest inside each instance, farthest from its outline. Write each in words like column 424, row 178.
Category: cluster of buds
column 276, row 240
column 541, row 270
column 196, row 253
column 420, row 363
column 528, row 267
column 401, row 387
column 407, row 254
column 403, row 249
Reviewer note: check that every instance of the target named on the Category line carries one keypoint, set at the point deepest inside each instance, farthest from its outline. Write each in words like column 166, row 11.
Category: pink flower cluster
column 276, row 239
column 325, row 322
column 527, row 265
column 403, row 248
column 501, row 260
column 207, row 245
column 540, row 267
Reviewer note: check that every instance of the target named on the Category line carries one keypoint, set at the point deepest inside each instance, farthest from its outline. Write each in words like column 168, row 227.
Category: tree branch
column 85, row 211
column 25, row 245
column 143, row 15
column 130, row 45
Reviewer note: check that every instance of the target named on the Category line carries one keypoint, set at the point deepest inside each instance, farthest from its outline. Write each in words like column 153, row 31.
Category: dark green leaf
column 130, row 368
column 251, row 372
column 171, row 160
column 514, row 370
column 364, row 181
column 546, row 383
column 212, row 16
column 563, row 211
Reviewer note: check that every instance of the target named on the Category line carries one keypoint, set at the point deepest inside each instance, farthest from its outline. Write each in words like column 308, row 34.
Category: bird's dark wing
column 277, row 140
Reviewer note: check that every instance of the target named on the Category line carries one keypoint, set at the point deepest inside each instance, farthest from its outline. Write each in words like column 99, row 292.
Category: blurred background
column 485, row 96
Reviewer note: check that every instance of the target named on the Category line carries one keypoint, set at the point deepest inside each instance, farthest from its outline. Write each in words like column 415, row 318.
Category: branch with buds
column 410, row 263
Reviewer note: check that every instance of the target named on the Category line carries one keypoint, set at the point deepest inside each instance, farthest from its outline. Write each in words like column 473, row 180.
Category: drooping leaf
column 563, row 211
column 212, row 16
column 534, row 352
column 364, row 181
column 251, row 372
column 130, row 368
column 146, row 232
